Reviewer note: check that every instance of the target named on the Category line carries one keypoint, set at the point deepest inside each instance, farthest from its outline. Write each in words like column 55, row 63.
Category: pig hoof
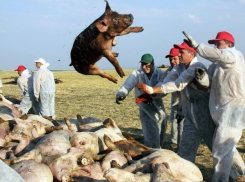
column 7, row 161
column 114, row 81
column 122, row 74
column 108, row 122
column 115, row 54
column 65, row 178
column 142, row 29
column 24, row 117
column 79, row 116
column 114, row 164
column 85, row 161
column 2, row 120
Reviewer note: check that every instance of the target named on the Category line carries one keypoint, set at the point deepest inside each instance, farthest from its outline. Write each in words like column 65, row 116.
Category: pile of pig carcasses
column 82, row 149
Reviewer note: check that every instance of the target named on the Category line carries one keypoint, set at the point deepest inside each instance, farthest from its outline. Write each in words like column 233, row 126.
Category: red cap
column 173, row 52
column 222, row 36
column 184, row 45
column 20, row 68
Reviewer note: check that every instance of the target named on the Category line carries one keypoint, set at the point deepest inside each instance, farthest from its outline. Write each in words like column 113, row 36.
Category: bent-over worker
column 25, row 83
column 152, row 111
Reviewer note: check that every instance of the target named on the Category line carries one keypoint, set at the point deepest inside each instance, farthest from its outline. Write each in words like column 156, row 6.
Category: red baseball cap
column 184, row 45
column 20, row 68
column 173, row 52
column 222, row 36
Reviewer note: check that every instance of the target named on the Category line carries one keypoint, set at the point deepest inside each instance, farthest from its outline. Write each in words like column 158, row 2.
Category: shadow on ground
column 11, row 82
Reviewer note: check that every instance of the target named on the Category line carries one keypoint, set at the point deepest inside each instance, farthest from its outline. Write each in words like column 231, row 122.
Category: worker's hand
column 142, row 98
column 199, row 73
column 144, row 88
column 119, row 98
column 191, row 42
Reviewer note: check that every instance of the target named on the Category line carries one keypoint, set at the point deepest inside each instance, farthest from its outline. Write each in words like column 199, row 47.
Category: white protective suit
column 227, row 106
column 25, row 83
column 176, row 118
column 8, row 174
column 44, row 90
column 179, row 79
column 1, row 86
column 152, row 112
column 176, row 111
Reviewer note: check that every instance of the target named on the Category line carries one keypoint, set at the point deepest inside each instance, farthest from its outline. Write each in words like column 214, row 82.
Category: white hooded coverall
column 25, row 83
column 152, row 112
column 227, row 106
column 179, row 79
column 44, row 90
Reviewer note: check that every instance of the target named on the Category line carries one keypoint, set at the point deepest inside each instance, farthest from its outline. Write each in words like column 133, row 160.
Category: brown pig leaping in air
column 97, row 40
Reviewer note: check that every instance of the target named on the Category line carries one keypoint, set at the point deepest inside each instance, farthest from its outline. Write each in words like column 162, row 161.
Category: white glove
column 191, row 42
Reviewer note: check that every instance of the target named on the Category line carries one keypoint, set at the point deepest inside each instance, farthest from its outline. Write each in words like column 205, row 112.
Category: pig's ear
column 101, row 25
column 107, row 8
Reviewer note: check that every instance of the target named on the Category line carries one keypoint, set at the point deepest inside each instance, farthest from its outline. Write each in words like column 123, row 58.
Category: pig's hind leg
column 95, row 70
column 28, row 156
column 110, row 56
column 23, row 139
column 6, row 100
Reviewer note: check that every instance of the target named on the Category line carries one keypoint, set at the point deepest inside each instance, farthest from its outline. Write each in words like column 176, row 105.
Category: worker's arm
column 128, row 85
column 225, row 57
column 222, row 56
column 20, row 84
column 173, row 85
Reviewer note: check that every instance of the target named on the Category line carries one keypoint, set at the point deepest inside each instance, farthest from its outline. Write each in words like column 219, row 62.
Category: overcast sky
column 30, row 29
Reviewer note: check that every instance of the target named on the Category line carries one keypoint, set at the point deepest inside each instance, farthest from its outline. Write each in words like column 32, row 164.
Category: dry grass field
column 95, row 96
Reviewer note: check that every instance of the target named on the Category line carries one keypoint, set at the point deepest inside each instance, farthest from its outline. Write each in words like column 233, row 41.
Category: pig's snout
column 131, row 17
column 128, row 19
